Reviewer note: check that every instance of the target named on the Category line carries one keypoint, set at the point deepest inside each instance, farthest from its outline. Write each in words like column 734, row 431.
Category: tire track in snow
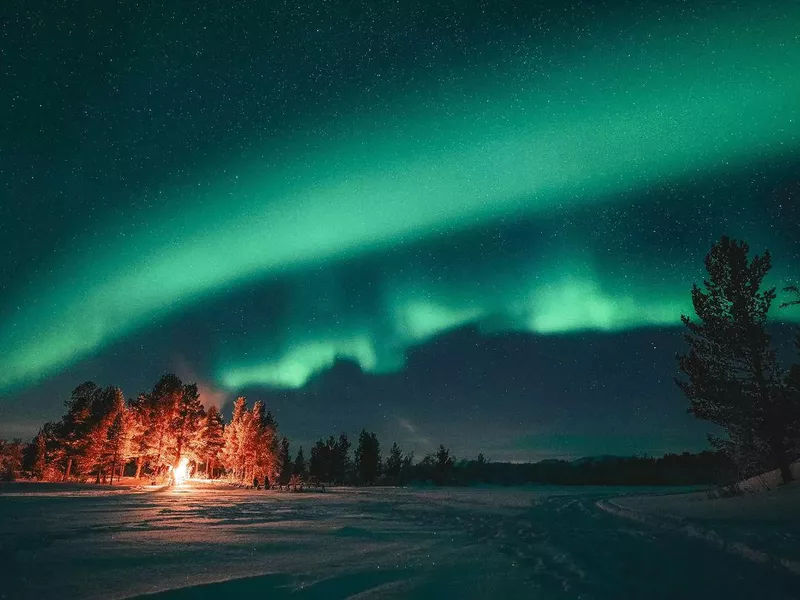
column 672, row 523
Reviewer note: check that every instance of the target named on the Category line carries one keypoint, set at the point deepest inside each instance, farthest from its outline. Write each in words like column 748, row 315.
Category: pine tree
column 792, row 380
column 394, row 463
column 233, row 450
column 213, row 439
column 368, row 457
column 138, row 425
column 340, row 459
column 285, row 463
column 300, row 468
column 733, row 377
column 319, row 464
column 35, row 458
column 117, row 444
column 73, row 429
column 443, row 465
column 184, row 429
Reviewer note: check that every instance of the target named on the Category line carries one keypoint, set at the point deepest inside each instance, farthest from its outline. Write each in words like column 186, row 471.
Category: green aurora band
column 696, row 97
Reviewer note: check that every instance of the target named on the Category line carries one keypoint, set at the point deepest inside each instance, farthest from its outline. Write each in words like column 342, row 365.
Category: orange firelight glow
column 181, row 472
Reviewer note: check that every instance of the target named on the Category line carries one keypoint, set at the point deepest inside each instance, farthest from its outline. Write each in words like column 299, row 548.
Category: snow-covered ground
column 211, row 541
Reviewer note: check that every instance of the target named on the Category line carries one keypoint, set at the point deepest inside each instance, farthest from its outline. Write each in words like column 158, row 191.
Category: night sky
column 459, row 222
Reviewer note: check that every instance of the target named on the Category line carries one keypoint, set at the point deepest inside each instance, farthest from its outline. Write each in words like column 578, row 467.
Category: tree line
column 333, row 463
column 101, row 435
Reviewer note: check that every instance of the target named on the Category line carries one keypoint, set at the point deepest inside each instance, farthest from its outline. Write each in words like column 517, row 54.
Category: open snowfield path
column 205, row 541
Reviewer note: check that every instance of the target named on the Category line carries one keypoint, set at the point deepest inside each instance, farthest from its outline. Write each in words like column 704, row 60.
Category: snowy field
column 211, row 541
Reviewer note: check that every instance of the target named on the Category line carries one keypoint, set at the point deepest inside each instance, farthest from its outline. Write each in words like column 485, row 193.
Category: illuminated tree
column 11, row 456
column 139, row 426
column 394, row 462
column 212, row 439
column 106, row 435
column 185, row 433
column 733, row 377
column 319, row 465
column 233, row 450
column 159, row 413
column 73, row 429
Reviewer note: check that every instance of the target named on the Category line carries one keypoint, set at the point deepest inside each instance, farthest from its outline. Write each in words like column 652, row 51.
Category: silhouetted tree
column 161, row 422
column 285, row 462
column 368, row 457
column 103, row 439
column 233, row 450
column 319, row 465
column 300, row 469
column 394, row 462
column 733, row 378
column 443, row 465
column 340, row 459
column 251, row 443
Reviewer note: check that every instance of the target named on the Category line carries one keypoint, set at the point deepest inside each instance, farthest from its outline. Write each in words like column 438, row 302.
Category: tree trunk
column 138, row 466
column 69, row 469
column 113, row 467
column 783, row 465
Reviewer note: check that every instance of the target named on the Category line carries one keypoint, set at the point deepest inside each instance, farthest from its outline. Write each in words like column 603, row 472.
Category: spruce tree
column 394, row 463
column 212, row 439
column 733, row 377
column 300, row 468
column 368, row 457
column 285, row 462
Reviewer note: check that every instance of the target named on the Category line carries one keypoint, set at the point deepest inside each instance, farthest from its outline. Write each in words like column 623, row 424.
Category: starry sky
column 463, row 222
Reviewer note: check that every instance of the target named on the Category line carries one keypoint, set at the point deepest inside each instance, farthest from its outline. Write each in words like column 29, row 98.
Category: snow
column 207, row 541
column 762, row 525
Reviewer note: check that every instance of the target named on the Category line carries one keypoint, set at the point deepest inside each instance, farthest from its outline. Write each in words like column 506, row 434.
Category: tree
column 185, row 433
column 733, row 377
column 394, row 463
column 319, row 466
column 300, row 469
column 73, row 429
column 103, row 440
column 232, row 452
column 368, row 457
column 161, row 406
column 138, row 426
column 443, row 466
column 117, row 443
column 340, row 458
column 251, row 443
column 285, row 462
column 40, row 457
column 11, row 456
column 212, row 439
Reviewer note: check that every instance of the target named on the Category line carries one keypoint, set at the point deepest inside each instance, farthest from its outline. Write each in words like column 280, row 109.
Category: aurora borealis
column 248, row 194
